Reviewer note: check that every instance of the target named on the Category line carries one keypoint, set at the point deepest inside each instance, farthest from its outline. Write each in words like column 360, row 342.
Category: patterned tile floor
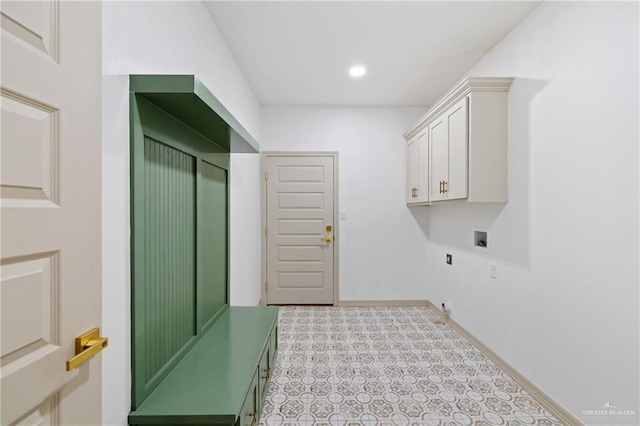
column 387, row 366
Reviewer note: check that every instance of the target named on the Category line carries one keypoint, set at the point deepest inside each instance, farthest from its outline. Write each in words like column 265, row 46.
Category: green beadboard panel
column 170, row 240
column 213, row 234
column 179, row 241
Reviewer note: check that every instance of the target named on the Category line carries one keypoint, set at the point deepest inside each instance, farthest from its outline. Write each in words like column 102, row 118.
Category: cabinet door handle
column 266, row 373
column 254, row 417
column 445, row 184
column 441, row 186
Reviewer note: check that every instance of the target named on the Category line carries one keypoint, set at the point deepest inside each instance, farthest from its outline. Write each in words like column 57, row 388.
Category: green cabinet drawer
column 264, row 372
column 267, row 362
column 250, row 408
column 273, row 345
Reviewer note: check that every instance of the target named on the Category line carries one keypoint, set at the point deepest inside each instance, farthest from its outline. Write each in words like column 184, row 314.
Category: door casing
column 263, row 216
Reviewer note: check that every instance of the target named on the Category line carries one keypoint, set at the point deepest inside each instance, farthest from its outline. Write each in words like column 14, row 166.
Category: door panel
column 300, row 206
column 438, row 139
column 423, row 167
column 412, row 170
column 298, row 200
column 300, row 227
column 44, row 414
column 458, row 160
column 35, row 23
column 298, row 253
column 29, row 154
column 50, row 195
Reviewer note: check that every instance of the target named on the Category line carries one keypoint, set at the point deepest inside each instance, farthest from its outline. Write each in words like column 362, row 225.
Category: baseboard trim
column 364, row 303
column 560, row 413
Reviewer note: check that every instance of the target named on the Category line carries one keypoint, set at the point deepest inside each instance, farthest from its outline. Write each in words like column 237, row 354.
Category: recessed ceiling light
column 357, row 71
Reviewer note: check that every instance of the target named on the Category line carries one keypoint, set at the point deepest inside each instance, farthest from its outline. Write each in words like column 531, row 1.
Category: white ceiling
column 299, row 53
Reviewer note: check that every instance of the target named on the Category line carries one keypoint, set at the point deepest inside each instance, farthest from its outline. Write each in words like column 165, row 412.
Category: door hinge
column 266, row 175
column 266, row 286
column 266, row 232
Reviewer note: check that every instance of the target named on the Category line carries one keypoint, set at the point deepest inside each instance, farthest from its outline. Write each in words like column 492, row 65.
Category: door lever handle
column 87, row 345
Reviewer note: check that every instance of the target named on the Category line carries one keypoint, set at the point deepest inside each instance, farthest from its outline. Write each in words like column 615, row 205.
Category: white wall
column 564, row 309
column 382, row 245
column 245, row 278
column 165, row 38
column 566, row 244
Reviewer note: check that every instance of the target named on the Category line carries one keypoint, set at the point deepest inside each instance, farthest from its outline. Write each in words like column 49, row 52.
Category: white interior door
column 300, row 223
column 50, row 199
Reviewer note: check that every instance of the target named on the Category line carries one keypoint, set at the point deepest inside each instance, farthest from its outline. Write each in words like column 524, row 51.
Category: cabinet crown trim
column 460, row 90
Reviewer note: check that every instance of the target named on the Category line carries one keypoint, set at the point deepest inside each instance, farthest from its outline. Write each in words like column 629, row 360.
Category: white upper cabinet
column 465, row 138
column 448, row 136
column 418, row 169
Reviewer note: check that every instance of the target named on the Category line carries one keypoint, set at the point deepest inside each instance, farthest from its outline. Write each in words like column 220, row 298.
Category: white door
column 50, row 199
column 300, row 240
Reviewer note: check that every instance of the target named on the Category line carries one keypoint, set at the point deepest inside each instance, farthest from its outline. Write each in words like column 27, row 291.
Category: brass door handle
column 441, row 186
column 266, row 374
column 87, row 345
column 328, row 238
column 444, row 186
column 414, row 192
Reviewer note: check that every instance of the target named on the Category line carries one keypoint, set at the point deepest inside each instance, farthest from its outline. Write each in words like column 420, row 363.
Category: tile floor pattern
column 387, row 366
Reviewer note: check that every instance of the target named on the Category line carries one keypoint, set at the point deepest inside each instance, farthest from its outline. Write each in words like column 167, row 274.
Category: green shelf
column 186, row 98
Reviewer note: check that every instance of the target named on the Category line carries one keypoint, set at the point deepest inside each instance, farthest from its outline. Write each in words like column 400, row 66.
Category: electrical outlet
column 449, row 259
column 493, row 269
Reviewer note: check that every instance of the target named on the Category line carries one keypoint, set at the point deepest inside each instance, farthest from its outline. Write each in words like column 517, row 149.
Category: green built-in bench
column 223, row 379
column 194, row 360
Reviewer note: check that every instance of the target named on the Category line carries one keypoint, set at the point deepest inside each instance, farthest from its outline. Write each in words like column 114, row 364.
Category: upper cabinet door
column 439, row 138
column 456, row 183
column 462, row 145
column 423, row 167
column 418, row 169
column 448, row 138
column 412, row 170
